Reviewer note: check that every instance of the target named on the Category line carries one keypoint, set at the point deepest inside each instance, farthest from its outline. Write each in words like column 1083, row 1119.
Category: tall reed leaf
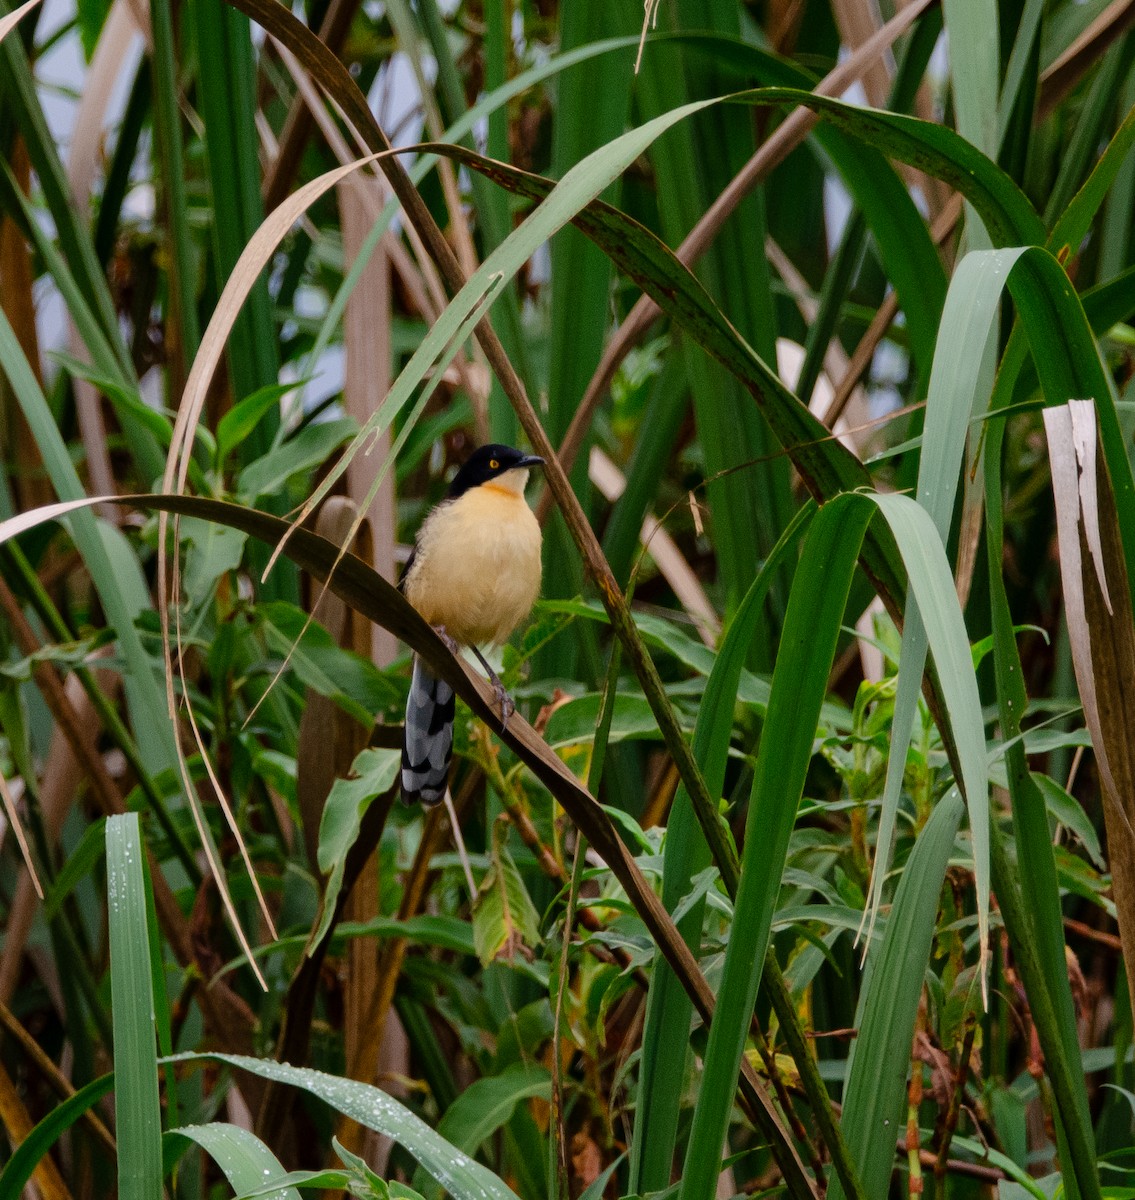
column 136, row 1107
column 972, row 27
column 665, row 1035
column 811, row 629
column 1074, row 221
column 227, row 97
column 932, row 587
column 969, row 319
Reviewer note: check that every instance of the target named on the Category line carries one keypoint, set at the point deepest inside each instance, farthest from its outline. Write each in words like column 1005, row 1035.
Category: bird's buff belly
column 477, row 570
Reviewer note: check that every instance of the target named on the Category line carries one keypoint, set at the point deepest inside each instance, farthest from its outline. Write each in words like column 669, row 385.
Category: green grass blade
column 136, row 1107
column 837, row 283
column 118, row 172
column 581, row 281
column 975, row 87
column 491, row 209
column 749, row 507
column 485, row 1106
column 1104, row 306
column 375, row 1109
column 1022, row 64
column 162, row 1015
column 970, row 319
column 497, row 39
column 581, row 273
column 892, row 223
column 1115, row 239
column 876, row 1087
column 654, row 447
column 248, row 1164
column 932, row 586
column 908, row 254
column 665, row 1035
column 811, row 629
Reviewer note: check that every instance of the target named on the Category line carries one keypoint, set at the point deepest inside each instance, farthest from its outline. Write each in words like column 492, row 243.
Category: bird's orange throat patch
column 511, row 484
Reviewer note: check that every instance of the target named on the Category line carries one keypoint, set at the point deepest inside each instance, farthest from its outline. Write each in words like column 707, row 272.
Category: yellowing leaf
column 505, row 921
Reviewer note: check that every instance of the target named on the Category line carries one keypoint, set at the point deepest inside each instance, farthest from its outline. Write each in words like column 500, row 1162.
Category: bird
column 474, row 575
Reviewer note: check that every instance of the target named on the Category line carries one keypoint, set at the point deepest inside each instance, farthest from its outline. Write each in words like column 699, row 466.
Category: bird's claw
column 450, row 643
column 505, row 701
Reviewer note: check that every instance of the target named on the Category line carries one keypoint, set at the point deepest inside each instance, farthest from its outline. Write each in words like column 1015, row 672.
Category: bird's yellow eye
column 493, row 464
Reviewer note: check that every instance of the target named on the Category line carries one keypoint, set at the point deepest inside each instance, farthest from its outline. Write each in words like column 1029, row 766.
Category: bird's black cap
column 487, row 463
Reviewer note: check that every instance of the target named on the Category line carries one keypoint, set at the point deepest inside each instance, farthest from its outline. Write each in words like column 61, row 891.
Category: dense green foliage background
column 812, row 868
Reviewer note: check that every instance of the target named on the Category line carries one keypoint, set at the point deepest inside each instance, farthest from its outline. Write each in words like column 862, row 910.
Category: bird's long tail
column 427, row 744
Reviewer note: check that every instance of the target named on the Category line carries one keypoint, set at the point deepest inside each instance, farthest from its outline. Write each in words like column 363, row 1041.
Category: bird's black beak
column 531, row 460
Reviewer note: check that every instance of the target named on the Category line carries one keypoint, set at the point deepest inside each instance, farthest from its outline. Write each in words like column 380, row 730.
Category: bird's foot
column 504, row 701
column 450, row 644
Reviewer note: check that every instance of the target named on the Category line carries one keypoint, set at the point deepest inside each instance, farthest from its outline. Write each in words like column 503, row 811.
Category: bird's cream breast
column 477, row 568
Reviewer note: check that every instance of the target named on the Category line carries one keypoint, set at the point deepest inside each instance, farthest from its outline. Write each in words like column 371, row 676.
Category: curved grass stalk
column 243, row 279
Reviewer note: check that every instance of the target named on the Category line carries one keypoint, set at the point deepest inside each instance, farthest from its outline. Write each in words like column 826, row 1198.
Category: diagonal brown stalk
column 334, row 78
column 18, row 1124
column 58, row 1082
column 370, row 595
